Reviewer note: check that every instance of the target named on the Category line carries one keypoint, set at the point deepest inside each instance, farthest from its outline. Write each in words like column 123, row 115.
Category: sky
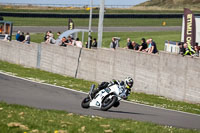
column 84, row 2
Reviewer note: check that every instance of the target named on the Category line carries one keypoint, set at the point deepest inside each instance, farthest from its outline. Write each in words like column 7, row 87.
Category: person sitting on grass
column 21, row 37
column 27, row 38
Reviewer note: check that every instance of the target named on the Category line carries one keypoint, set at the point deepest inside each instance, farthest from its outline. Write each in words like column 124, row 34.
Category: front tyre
column 85, row 103
column 107, row 103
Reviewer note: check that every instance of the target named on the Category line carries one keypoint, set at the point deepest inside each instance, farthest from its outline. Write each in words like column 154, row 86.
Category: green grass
column 83, row 85
column 108, row 22
column 21, row 119
column 159, row 37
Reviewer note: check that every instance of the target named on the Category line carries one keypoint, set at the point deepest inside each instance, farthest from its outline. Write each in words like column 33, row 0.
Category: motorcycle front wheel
column 107, row 103
column 85, row 103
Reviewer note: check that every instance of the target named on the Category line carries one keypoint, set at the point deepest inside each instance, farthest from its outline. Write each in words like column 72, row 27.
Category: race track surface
column 18, row 91
column 43, row 29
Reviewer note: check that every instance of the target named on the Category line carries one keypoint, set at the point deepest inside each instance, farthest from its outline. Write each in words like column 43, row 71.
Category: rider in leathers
column 124, row 86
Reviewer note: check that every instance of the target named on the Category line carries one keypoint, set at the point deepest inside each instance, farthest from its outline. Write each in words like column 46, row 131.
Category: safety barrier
column 164, row 74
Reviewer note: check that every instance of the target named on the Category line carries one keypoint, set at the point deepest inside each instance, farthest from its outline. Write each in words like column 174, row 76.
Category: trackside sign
column 190, row 28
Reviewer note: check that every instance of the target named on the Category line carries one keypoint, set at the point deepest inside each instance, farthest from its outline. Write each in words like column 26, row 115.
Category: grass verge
column 108, row 22
column 83, row 85
column 19, row 119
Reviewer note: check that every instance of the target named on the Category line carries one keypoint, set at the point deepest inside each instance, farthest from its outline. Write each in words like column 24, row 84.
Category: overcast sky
column 85, row 2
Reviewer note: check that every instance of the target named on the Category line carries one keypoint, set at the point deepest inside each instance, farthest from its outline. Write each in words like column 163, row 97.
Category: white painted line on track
column 4, row 73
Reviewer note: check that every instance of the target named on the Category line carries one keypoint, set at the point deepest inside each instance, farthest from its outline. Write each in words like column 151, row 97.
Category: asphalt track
column 18, row 91
column 43, row 29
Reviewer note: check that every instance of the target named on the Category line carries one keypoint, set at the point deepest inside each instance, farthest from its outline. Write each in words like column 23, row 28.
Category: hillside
column 171, row 4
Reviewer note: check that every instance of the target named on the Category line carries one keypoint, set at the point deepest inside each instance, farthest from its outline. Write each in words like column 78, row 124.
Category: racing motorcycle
column 105, row 98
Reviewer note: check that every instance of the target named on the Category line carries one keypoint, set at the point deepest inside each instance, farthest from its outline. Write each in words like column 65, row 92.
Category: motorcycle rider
column 125, row 87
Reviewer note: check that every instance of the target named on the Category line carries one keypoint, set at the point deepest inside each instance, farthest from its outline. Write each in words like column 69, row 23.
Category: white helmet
column 129, row 82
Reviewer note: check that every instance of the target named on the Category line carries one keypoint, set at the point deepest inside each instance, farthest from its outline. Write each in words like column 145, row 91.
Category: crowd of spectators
column 186, row 49
column 148, row 46
column 66, row 41
column 23, row 38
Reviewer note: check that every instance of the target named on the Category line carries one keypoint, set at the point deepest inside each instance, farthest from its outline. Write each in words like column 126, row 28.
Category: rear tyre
column 116, row 104
column 85, row 103
column 107, row 103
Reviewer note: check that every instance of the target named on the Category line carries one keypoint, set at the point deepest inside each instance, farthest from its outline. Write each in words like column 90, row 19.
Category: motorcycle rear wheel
column 106, row 105
column 85, row 103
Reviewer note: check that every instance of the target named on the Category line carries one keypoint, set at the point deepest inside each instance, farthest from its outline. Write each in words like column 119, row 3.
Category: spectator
column 58, row 34
column 78, row 43
column 197, row 49
column 18, row 35
column 86, row 44
column 188, row 50
column 94, row 43
column 129, row 44
column 143, row 45
column 21, row 37
column 49, row 38
column 6, row 37
column 46, row 36
column 149, row 46
column 135, row 45
column 1, row 30
column 64, row 42
column 27, row 38
column 115, row 42
column 73, row 41
column 153, row 48
column 69, row 41
column 181, row 48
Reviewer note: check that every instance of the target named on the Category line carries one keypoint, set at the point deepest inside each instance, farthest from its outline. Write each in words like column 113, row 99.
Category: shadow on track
column 123, row 112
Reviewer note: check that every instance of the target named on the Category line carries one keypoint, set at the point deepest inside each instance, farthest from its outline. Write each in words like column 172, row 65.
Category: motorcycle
column 104, row 99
